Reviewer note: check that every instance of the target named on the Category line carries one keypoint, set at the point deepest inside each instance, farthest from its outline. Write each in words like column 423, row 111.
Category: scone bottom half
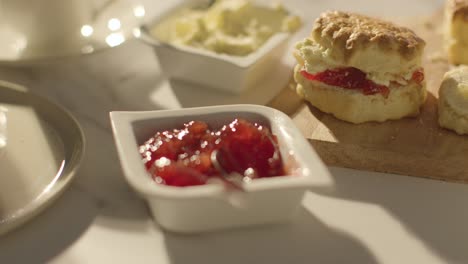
column 381, row 80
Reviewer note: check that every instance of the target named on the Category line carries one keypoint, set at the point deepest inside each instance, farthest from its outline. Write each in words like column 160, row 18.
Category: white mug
column 48, row 24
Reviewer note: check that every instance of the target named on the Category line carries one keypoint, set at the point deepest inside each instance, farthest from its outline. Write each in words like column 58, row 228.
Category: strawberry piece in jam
column 348, row 78
column 418, row 76
column 182, row 157
column 177, row 174
column 249, row 150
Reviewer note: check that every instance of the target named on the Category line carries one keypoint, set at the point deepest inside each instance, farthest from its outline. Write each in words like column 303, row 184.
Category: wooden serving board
column 410, row 146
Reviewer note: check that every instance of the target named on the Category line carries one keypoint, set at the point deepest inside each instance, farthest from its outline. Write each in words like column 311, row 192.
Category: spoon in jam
column 234, row 179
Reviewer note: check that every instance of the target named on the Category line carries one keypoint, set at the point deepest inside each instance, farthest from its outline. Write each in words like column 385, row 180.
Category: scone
column 453, row 100
column 456, row 31
column 361, row 69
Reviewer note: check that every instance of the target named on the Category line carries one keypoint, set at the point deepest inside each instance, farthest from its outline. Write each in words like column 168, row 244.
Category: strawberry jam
column 182, row 157
column 348, row 78
column 418, row 76
column 353, row 78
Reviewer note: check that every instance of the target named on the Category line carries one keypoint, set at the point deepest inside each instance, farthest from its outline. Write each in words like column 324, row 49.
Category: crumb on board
column 428, row 24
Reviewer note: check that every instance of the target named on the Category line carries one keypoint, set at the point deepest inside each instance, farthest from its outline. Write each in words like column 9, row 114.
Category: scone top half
column 386, row 53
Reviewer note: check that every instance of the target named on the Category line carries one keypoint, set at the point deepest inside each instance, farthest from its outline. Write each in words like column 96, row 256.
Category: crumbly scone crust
column 351, row 32
column 450, row 119
column 453, row 103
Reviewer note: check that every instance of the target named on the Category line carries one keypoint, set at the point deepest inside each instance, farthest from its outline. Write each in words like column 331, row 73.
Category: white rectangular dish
column 228, row 73
column 209, row 207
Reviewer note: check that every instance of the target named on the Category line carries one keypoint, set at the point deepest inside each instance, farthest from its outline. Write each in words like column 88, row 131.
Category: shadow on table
column 50, row 233
column 101, row 178
column 431, row 210
column 305, row 240
column 261, row 92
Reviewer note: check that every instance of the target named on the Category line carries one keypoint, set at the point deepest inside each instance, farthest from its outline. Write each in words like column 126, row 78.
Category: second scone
column 453, row 100
column 361, row 69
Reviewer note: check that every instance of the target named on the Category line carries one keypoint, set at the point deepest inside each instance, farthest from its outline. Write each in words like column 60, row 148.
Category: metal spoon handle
column 233, row 178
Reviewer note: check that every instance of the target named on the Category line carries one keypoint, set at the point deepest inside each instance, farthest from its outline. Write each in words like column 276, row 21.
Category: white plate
column 41, row 146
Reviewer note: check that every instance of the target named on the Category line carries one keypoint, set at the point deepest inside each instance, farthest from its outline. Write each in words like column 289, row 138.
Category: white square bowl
column 206, row 208
column 228, row 73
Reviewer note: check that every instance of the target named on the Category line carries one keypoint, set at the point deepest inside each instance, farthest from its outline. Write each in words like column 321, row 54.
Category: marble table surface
column 366, row 218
